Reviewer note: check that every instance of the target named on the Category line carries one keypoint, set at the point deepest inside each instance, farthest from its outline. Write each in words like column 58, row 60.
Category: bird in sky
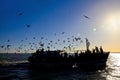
column 63, row 41
column 8, row 40
column 33, row 37
column 8, row 46
column 48, row 43
column 41, row 37
column 20, row 13
column 28, row 26
column 63, row 32
column 51, row 41
column 86, row 16
column 25, row 38
column 55, row 34
column 21, row 40
column 2, row 46
column 55, row 42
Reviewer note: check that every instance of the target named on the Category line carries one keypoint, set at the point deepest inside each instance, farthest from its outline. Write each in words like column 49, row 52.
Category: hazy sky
column 49, row 18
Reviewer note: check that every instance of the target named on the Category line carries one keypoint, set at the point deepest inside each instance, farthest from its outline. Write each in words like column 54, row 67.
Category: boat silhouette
column 59, row 59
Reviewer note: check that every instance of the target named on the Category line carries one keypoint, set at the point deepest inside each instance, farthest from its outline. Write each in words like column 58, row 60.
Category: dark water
column 111, row 72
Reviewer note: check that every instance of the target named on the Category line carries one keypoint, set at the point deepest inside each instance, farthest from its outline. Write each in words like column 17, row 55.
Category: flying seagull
column 63, row 32
column 20, row 13
column 86, row 16
column 55, row 34
column 2, row 46
column 8, row 40
column 41, row 37
column 8, row 46
column 21, row 40
column 28, row 25
column 25, row 38
column 33, row 37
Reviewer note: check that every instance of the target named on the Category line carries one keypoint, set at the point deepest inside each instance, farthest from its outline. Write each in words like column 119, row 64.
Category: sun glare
column 112, row 22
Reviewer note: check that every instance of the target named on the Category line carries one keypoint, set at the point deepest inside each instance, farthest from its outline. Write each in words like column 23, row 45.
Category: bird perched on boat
column 86, row 16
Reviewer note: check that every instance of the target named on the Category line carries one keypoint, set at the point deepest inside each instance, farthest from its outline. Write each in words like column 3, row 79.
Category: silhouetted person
column 97, row 50
column 38, row 51
column 87, row 44
column 42, row 50
column 93, row 51
column 101, row 50
column 76, row 54
column 65, row 54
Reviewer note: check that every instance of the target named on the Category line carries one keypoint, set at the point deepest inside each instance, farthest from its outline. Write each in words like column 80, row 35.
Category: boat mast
column 87, row 44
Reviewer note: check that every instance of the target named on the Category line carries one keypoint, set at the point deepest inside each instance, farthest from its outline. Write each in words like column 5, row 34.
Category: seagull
column 81, row 41
column 58, row 39
column 63, row 41
column 20, row 13
column 33, row 37
column 2, row 46
column 51, row 41
column 21, row 40
column 55, row 42
column 8, row 40
column 86, row 16
column 55, row 34
column 42, row 44
column 68, row 38
column 18, row 50
column 63, row 32
column 41, row 37
column 8, row 46
column 48, row 43
column 48, row 47
column 25, row 38
column 68, row 41
column 28, row 25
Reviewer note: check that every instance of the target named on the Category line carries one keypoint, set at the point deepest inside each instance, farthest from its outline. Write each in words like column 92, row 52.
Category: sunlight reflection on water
column 113, row 67
column 111, row 72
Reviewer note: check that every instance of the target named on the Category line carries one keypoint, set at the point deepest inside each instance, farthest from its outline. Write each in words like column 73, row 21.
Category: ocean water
column 111, row 72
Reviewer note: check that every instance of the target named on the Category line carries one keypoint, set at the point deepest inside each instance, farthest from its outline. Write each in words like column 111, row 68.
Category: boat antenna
column 87, row 44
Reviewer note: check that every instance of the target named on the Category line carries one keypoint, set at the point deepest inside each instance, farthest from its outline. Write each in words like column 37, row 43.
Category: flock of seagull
column 69, row 43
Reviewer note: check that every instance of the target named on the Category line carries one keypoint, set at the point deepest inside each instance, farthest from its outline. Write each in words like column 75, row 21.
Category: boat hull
column 83, row 62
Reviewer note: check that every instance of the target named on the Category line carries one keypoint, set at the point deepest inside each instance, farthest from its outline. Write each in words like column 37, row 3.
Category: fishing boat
column 59, row 59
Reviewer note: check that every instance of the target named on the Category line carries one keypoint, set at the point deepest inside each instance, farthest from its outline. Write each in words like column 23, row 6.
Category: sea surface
column 9, row 72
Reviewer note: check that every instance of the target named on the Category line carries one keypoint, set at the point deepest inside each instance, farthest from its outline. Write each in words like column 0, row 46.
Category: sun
column 112, row 22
